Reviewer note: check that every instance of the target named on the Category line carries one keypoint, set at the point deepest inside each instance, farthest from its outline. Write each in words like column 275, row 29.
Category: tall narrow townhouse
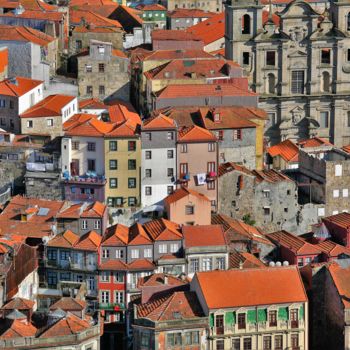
column 197, row 159
column 122, row 163
column 158, row 159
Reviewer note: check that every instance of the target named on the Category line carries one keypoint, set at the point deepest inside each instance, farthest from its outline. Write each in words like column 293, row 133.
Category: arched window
column 271, row 83
column 348, row 21
column 326, row 82
column 246, row 24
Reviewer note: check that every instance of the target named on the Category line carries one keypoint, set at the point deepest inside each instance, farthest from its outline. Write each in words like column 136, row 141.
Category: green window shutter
column 262, row 315
column 283, row 313
column 229, row 318
column 301, row 312
column 211, row 320
column 251, row 316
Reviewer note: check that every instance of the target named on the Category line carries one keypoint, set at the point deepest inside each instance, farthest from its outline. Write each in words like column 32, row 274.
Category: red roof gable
column 203, row 236
column 287, row 149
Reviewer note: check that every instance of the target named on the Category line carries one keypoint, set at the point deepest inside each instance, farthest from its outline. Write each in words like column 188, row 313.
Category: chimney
column 166, row 280
column 241, row 265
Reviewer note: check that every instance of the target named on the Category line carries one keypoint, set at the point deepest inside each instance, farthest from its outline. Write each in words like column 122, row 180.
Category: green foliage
column 247, row 219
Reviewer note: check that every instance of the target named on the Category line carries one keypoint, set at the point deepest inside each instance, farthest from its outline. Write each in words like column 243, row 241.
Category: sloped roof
column 64, row 240
column 18, row 304
column 18, row 86
column 76, row 17
column 68, row 304
column 184, row 192
column 83, row 210
column 19, row 329
column 121, row 111
column 50, row 106
column 113, row 265
column 127, row 129
column 287, row 149
column 270, row 175
column 332, row 249
column 195, row 133
column 160, row 279
column 141, row 265
column 203, row 236
column 190, row 13
column 92, row 103
column 89, row 241
column 314, row 142
column 176, row 35
column 341, row 219
column 226, row 168
column 251, row 287
column 162, row 229
column 341, row 279
column 159, row 122
column 244, row 260
column 295, row 244
column 116, row 235
column 183, row 305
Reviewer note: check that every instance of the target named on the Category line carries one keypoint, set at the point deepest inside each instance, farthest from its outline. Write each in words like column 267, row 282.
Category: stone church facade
column 298, row 60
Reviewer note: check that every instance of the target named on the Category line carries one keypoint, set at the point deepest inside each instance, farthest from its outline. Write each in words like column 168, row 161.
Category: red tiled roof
column 346, row 148
column 190, row 13
column 127, row 129
column 37, row 14
column 116, row 235
column 90, row 241
column 38, row 5
column 159, row 122
column 92, row 29
column 203, row 236
column 113, row 265
column 138, row 236
column 19, row 329
column 332, row 249
column 177, row 35
column 18, row 304
column 66, row 240
column 27, row 34
column 275, row 18
column 210, row 30
column 314, row 142
column 228, row 167
column 244, row 260
column 183, row 305
column 341, row 279
column 69, row 304
column 50, row 106
column 270, row 175
column 4, row 52
column 121, row 111
column 151, row 7
column 86, row 125
column 341, row 219
column 293, row 243
column 184, row 192
column 195, row 133
column 251, row 287
column 94, row 210
column 204, row 90
column 141, row 265
column 162, row 279
column 162, row 230
column 92, row 103
column 18, row 86
column 164, row 55
column 287, row 149
column 92, row 18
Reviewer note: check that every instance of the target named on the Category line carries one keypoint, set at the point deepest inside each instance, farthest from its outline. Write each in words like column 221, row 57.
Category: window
column 183, row 168
column 119, row 297
column 266, row 210
column 271, row 83
column 297, row 82
column 104, row 296
column 49, row 122
column 51, row 254
column 294, row 318
column 326, row 56
column 174, row 339
column 174, row 247
column 145, row 339
column 189, row 209
column 105, row 253
column 113, row 145
column 183, row 148
column 326, row 82
column 170, row 190
column 324, row 119
column 267, row 343
column 300, row 262
column 131, row 145
column 148, row 136
column 335, row 193
column 241, row 320
column 170, row 154
column 170, row 135
column 211, row 147
column 273, row 318
column 101, row 67
column 88, row 69
column 236, row 344
column 211, row 185
column 104, row 276
column 148, row 191
column 119, row 254
column 91, row 165
column 192, row 338
column 247, row 343
column 348, row 22
column 113, row 182
column 101, row 90
column 207, row 264
column 132, row 201
column 91, row 146
column 220, row 344
column 118, row 277
column 148, row 154
column 266, row 193
column 147, row 253
column 220, row 263
column 89, row 90
column 338, row 170
column 345, row 192
column 78, row 45
column 12, row 105
column 170, row 172
column 211, row 167
column 52, row 279
column 245, row 58
column 194, row 265
column 162, row 248
column 29, row 123
column 219, row 324
column 131, row 182
column 134, row 253
column 113, row 164
column 308, row 260
column 75, row 145
column 84, row 224
column 246, row 24
column 237, row 134
column 270, row 58
column 278, row 342
column 101, row 50
column 97, row 224
column 132, row 164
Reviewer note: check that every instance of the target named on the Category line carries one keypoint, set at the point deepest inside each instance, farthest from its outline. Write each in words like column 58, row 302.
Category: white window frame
column 162, row 248
column 105, row 253
column 335, row 193
column 147, row 253
column 174, row 247
column 345, row 192
column 83, row 224
column 97, row 224
column 135, row 253
column 338, row 169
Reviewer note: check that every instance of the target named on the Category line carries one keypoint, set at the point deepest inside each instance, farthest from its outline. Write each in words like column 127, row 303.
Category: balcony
column 211, row 176
column 184, row 178
column 84, row 179
column 112, row 306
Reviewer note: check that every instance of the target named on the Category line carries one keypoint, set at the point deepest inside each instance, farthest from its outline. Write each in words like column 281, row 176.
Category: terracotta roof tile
column 18, row 86
column 228, row 167
column 314, row 142
column 341, row 220
column 162, row 55
column 270, row 175
column 84, row 125
column 190, row 13
column 203, row 236
column 55, row 16
column 68, row 304
column 50, row 106
column 128, row 128
column 287, row 149
column 18, row 304
column 332, row 249
column 196, row 134
column 341, row 278
column 241, row 286
column 183, row 192
column 90, row 241
column 92, row 103
column 113, row 265
column 244, row 260
column 151, row 7
column 96, row 209
column 177, row 35
column 162, row 230
column 141, row 265
column 3, row 59
column 116, row 235
column 92, row 18
column 65, row 240
column 275, row 18
column 19, row 329
column 159, row 122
